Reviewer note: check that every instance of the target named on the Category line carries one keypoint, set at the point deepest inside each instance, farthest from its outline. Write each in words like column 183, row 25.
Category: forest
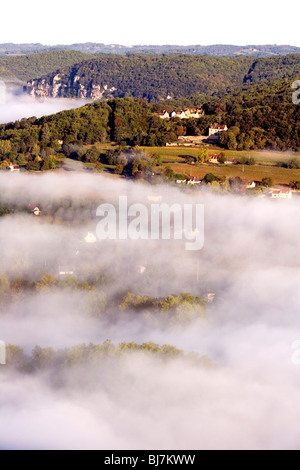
column 26, row 67
column 95, row 356
column 258, row 117
column 156, row 77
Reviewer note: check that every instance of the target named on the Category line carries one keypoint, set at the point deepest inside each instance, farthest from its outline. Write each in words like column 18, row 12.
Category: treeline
column 94, row 356
column 26, row 67
column 172, row 309
column 156, row 77
column 90, row 47
column 36, row 143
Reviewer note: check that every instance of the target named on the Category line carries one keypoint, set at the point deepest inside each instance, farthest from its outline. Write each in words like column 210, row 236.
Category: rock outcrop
column 60, row 85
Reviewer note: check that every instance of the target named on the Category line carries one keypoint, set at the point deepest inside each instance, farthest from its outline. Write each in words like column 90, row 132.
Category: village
column 218, row 161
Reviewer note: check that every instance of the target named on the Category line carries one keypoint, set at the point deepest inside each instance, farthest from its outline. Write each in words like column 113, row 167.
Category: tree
column 209, row 178
column 92, row 155
column 222, row 158
column 267, row 182
column 21, row 160
column 295, row 185
column 47, row 282
column 294, row 163
column 119, row 169
column 169, row 173
column 157, row 160
column 203, row 155
column 33, row 166
column 46, row 135
column 99, row 167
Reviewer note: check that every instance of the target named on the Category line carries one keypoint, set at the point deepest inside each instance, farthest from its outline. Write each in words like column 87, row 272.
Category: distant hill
column 26, row 67
column 92, row 48
column 160, row 77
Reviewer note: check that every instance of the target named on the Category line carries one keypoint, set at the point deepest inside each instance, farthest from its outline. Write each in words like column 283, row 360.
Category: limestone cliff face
column 60, row 85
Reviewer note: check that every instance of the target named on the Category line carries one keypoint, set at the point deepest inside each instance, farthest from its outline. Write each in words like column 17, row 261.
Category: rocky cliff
column 60, row 85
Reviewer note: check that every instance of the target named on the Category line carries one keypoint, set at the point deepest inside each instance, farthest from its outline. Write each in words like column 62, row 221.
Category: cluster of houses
column 186, row 114
column 214, row 159
column 194, row 180
column 274, row 194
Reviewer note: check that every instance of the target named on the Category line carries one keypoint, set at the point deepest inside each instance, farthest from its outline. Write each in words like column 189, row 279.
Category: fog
column 16, row 105
column 250, row 261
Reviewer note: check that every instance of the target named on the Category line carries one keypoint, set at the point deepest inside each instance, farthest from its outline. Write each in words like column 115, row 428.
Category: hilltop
column 161, row 77
column 26, row 67
column 216, row 49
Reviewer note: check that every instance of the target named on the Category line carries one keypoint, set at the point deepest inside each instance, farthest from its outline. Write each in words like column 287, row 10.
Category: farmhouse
column 179, row 114
column 90, row 238
column 213, row 159
column 216, row 129
column 12, row 167
column 251, row 185
column 188, row 113
column 163, row 115
column 193, row 113
column 281, row 194
column 36, row 211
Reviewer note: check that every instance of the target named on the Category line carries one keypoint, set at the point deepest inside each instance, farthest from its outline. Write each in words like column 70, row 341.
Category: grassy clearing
column 266, row 164
column 174, row 157
column 256, row 172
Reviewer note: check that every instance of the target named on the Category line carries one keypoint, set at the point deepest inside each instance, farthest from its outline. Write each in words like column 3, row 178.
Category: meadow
column 267, row 164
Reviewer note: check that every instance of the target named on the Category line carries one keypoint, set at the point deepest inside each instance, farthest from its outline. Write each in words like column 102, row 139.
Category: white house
column 179, row 114
column 12, row 167
column 194, row 113
column 216, row 129
column 209, row 297
column 36, row 211
column 251, row 185
column 213, row 159
column 163, row 115
column 90, row 238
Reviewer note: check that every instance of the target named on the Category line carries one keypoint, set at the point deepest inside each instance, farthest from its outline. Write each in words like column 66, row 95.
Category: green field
column 178, row 154
column 256, row 172
column 266, row 165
